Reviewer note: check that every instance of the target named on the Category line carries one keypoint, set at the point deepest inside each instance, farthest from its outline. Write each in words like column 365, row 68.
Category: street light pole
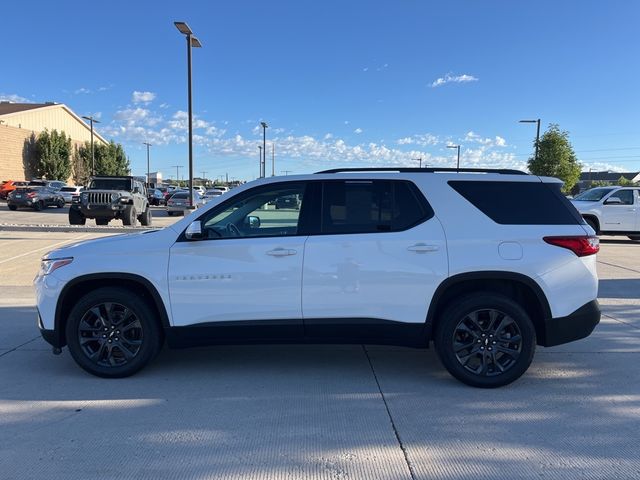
column 192, row 41
column 177, row 174
column 273, row 159
column 418, row 160
column 148, row 169
column 537, row 133
column 260, row 161
column 263, row 170
column 458, row 147
column 93, row 158
column 204, row 177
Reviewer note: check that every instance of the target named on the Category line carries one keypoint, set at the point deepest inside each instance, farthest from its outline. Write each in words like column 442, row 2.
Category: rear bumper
column 574, row 326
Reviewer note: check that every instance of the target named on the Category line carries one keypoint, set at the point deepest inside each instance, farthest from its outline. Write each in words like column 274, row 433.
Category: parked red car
column 9, row 186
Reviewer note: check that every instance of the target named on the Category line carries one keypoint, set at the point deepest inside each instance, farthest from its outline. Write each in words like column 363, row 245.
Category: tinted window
column 593, row 195
column 626, row 196
column 367, row 206
column 110, row 184
column 519, row 203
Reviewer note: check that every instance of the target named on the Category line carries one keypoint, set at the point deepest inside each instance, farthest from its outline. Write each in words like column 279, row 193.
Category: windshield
column 110, row 184
column 593, row 195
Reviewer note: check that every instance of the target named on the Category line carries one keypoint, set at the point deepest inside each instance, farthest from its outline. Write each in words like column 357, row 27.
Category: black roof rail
column 503, row 171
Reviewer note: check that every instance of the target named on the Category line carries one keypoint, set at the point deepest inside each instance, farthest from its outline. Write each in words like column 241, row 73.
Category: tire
column 145, row 218
column 129, row 215
column 102, row 221
column 38, row 205
column 634, row 237
column 169, row 213
column 76, row 217
column 12, row 207
column 94, row 321
column 60, row 203
column 592, row 223
column 468, row 325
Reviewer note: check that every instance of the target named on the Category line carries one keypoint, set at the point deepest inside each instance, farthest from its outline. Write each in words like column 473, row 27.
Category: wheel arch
column 79, row 286
column 520, row 287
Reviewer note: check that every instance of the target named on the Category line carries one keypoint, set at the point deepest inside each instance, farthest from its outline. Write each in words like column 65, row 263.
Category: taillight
column 31, row 195
column 582, row 245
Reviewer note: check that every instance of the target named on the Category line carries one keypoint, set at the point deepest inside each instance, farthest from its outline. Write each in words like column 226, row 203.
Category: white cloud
column 450, row 78
column 82, row 90
column 358, row 131
column 473, row 137
column 328, row 136
column 500, row 142
column 423, row 140
column 13, row 98
column 142, row 97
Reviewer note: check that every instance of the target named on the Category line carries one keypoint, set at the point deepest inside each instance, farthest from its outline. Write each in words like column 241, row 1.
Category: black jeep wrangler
column 107, row 198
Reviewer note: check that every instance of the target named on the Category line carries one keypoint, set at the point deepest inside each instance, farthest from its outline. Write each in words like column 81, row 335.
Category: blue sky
column 358, row 83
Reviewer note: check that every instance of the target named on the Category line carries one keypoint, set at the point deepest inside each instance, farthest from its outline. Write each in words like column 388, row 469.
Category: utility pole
column 226, row 175
column 458, row 147
column 148, row 169
column 537, row 133
column 263, row 170
column 204, row 178
column 93, row 158
column 177, row 167
column 273, row 159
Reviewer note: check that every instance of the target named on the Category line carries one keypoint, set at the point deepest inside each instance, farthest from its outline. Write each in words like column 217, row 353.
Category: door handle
column 281, row 252
column 422, row 248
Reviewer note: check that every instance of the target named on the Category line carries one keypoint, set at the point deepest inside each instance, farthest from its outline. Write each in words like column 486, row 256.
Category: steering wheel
column 233, row 230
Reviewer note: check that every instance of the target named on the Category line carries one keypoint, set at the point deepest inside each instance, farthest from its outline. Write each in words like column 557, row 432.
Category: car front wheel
column 485, row 340
column 112, row 333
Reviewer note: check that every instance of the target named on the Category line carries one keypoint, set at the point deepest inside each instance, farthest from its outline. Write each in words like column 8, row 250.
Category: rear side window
column 368, row 206
column 519, row 203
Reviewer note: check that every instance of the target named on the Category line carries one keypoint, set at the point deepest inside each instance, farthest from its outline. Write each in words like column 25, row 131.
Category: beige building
column 20, row 124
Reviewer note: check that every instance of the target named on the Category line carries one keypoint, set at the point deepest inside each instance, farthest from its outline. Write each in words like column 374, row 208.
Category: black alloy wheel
column 112, row 332
column 485, row 339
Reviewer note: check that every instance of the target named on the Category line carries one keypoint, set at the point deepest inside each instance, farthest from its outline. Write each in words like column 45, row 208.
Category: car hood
column 118, row 244
column 582, row 206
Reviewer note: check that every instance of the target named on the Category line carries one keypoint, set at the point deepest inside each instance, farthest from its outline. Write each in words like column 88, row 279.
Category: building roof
column 608, row 176
column 9, row 108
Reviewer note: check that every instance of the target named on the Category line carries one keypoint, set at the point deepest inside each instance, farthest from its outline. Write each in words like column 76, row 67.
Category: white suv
column 485, row 263
column 611, row 210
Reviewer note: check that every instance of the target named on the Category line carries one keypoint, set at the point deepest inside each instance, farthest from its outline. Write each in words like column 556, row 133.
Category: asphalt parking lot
column 325, row 412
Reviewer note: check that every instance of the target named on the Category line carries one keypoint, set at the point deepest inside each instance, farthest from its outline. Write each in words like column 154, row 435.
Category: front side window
column 625, row 196
column 266, row 211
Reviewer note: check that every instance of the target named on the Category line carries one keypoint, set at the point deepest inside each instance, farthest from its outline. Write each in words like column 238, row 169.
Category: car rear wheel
column 113, row 333
column 634, row 237
column 12, row 207
column 169, row 213
column 60, row 203
column 38, row 205
column 485, row 340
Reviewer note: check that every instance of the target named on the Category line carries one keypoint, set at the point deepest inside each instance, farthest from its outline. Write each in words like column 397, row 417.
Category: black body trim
column 322, row 331
column 503, row 171
column 575, row 326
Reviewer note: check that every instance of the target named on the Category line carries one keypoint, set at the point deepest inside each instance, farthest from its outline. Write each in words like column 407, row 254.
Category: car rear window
column 519, row 203
column 68, row 189
column 179, row 195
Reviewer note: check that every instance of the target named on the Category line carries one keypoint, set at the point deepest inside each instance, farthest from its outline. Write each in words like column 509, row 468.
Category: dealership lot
column 329, row 412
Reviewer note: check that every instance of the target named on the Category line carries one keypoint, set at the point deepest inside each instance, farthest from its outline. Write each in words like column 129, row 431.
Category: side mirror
column 252, row 221
column 613, row 201
column 194, row 231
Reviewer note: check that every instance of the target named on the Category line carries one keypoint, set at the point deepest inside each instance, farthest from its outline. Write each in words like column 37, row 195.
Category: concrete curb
column 72, row 228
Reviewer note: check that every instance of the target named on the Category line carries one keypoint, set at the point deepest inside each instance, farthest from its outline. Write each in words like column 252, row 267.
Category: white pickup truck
column 611, row 210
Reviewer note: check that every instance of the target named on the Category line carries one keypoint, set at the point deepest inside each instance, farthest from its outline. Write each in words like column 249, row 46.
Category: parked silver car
column 34, row 197
column 179, row 202
column 69, row 192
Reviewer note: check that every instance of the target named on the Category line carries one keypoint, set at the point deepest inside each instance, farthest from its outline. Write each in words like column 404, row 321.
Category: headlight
column 50, row 265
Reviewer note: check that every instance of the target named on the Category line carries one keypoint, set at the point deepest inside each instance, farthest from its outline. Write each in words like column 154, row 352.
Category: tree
column 82, row 164
column 52, row 156
column 556, row 158
column 625, row 182
column 110, row 159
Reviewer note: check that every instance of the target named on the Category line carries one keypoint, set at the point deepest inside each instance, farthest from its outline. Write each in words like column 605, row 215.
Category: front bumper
column 100, row 210
column 574, row 326
column 52, row 337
